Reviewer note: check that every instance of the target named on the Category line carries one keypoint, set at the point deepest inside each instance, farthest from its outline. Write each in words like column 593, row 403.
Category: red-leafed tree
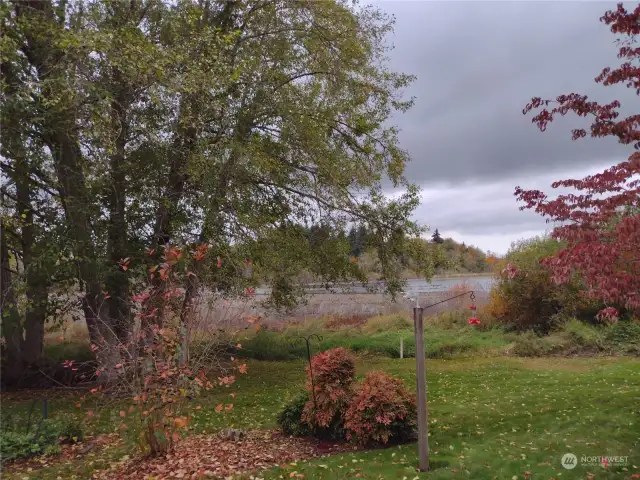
column 600, row 222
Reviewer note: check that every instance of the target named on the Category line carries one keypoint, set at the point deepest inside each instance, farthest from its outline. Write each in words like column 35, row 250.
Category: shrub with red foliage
column 333, row 372
column 381, row 410
column 601, row 223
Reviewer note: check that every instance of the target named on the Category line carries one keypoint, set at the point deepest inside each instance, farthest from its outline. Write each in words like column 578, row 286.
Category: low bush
column 337, row 322
column 449, row 319
column 530, row 344
column 42, row 438
column 385, row 323
column 497, row 306
column 571, row 338
column 14, row 445
column 290, row 418
column 329, row 389
column 386, row 344
column 447, row 335
column 61, row 351
column 583, row 337
column 624, row 337
column 381, row 411
column 526, row 298
column 269, row 345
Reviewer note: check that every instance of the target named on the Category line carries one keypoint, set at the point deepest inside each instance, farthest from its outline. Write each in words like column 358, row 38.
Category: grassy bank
column 489, row 418
column 447, row 336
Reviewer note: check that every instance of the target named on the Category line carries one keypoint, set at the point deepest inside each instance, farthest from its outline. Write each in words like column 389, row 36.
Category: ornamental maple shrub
column 330, row 391
column 599, row 221
column 157, row 370
column 527, row 298
column 381, row 411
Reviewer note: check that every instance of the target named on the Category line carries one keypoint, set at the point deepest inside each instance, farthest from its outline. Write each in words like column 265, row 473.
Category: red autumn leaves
column 170, row 257
column 600, row 223
column 333, row 374
column 378, row 403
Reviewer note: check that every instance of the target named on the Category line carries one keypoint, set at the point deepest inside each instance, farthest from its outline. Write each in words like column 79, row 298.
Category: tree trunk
column 186, row 135
column 12, row 364
column 117, row 280
column 34, row 324
column 213, row 227
column 60, row 135
column 36, row 280
column 73, row 191
column 183, row 146
column 37, row 283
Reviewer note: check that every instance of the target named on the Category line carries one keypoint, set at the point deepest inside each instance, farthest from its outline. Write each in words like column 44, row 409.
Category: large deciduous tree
column 601, row 222
column 237, row 124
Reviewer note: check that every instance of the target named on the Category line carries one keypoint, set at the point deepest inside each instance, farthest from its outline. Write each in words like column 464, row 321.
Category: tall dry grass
column 67, row 330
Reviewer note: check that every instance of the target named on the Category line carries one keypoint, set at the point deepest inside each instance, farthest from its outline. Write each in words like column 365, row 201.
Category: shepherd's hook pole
column 421, row 381
column 421, row 384
column 313, row 389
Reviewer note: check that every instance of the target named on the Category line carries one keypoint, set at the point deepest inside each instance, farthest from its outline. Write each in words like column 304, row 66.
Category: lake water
column 482, row 283
column 479, row 283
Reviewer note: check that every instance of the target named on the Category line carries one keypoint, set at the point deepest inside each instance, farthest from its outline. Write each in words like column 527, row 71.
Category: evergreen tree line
column 450, row 256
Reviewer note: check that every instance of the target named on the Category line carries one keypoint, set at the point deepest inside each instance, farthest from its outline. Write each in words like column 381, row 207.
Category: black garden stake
column 307, row 340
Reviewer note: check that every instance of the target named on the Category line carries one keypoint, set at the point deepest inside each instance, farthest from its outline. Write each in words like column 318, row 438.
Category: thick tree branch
column 323, row 202
column 31, row 209
column 9, row 168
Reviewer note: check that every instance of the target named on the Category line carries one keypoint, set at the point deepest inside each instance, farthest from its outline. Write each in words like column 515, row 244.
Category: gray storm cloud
column 478, row 63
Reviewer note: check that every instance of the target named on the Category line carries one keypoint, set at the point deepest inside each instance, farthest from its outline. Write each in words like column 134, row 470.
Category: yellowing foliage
column 497, row 306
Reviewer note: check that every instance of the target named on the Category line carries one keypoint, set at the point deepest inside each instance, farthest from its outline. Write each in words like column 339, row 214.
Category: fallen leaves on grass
column 210, row 456
column 68, row 453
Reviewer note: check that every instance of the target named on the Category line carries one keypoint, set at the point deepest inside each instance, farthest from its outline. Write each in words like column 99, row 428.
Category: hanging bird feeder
column 473, row 320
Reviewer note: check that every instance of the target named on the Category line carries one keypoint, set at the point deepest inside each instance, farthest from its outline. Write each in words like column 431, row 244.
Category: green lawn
column 489, row 418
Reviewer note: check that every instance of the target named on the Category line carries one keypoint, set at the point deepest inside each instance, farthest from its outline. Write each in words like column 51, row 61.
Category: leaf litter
column 97, row 444
column 205, row 456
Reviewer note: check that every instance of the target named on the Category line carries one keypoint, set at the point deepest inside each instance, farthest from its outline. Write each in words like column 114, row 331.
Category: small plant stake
column 307, row 340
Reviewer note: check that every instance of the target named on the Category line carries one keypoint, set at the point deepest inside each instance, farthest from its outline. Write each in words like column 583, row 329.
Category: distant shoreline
column 446, row 276
column 443, row 276
column 375, row 282
column 458, row 275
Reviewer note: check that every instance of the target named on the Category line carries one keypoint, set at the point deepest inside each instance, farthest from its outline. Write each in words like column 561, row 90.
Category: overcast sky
column 478, row 63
